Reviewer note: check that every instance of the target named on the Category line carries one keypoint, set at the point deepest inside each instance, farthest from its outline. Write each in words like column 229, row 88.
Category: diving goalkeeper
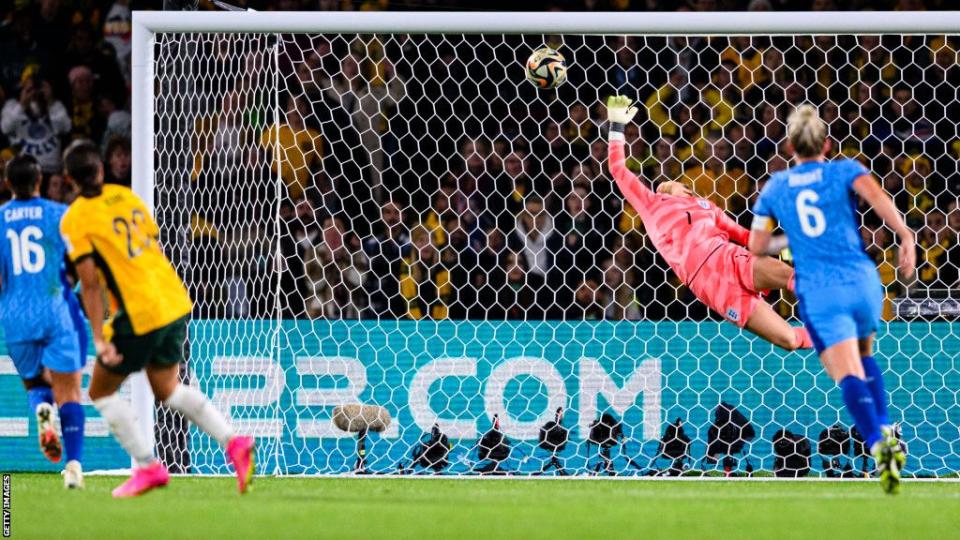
column 704, row 247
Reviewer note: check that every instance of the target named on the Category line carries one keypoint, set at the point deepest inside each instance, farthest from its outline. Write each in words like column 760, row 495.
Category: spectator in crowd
column 335, row 273
column 55, row 188
column 627, row 73
column 300, row 233
column 535, row 240
column 953, row 216
column 117, row 157
column 938, row 255
column 880, row 247
column 719, row 179
column 386, row 249
column 667, row 98
column 117, row 31
column 36, row 120
column 83, row 49
column 664, row 164
column 579, row 130
column 916, row 198
column 582, row 238
column 910, row 125
column 587, row 303
column 523, row 292
column 85, row 120
column 368, row 91
column 52, row 23
column 617, row 294
column 513, row 186
column 297, row 148
column 551, row 148
column 460, row 258
column 489, row 278
column 118, row 122
column 424, row 282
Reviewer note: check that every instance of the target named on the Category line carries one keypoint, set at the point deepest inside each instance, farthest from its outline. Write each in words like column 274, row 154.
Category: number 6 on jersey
column 812, row 220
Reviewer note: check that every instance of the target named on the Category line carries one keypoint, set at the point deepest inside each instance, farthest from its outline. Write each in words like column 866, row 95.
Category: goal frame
column 147, row 24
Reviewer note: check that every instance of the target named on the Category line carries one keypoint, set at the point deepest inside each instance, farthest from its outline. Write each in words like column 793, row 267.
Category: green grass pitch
column 359, row 508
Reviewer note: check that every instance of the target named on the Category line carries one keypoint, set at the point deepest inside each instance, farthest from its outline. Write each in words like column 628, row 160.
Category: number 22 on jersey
column 132, row 230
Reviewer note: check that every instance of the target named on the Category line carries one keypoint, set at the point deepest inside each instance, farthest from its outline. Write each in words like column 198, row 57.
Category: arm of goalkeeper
column 619, row 112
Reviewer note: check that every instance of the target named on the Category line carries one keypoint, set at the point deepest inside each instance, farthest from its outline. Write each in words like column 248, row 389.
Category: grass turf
column 210, row 508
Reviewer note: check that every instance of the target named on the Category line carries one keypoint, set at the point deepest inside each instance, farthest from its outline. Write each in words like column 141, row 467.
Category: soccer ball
column 546, row 68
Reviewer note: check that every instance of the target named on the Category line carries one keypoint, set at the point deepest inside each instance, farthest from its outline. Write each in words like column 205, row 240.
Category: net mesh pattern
column 403, row 221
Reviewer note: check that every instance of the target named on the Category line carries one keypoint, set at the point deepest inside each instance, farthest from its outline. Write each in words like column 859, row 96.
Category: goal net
column 401, row 220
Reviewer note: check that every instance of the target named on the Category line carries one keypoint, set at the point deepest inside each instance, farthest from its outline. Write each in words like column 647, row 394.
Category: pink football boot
column 240, row 451
column 143, row 480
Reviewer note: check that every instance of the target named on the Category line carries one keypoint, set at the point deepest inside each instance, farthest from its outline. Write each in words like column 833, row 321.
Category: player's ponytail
column 806, row 131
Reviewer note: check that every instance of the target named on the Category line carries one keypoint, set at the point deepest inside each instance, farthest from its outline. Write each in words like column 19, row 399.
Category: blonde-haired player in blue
column 837, row 284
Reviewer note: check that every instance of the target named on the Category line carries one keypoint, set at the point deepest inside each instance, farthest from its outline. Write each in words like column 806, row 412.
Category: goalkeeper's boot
column 143, row 480
column 890, row 458
column 73, row 475
column 47, row 431
column 242, row 454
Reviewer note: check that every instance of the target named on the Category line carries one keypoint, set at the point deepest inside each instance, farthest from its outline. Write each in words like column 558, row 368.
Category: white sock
column 195, row 406
column 123, row 424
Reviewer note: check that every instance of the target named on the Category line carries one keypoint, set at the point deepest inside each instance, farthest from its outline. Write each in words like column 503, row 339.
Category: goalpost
column 274, row 148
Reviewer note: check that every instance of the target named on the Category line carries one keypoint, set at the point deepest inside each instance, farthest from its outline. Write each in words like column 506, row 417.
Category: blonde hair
column 806, row 131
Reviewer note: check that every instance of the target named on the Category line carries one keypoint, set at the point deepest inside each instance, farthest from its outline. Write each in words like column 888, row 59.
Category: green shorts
column 163, row 346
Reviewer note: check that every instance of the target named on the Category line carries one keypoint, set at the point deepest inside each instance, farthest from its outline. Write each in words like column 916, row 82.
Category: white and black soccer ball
column 546, row 68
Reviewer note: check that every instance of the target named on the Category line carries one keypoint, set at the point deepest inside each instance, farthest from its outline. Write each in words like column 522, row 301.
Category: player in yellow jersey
column 113, row 241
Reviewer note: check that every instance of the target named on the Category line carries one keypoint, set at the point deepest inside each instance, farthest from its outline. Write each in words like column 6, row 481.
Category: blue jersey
column 36, row 302
column 816, row 207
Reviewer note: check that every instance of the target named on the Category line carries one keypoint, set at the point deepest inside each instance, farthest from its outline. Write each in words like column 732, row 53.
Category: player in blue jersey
column 837, row 284
column 44, row 329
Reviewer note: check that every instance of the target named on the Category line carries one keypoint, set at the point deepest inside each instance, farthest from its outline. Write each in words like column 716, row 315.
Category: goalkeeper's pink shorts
column 725, row 283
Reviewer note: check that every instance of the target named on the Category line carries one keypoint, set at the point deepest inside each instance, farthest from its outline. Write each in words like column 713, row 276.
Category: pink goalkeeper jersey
column 685, row 230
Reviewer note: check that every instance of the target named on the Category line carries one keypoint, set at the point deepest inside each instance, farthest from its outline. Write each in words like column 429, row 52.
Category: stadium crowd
column 417, row 183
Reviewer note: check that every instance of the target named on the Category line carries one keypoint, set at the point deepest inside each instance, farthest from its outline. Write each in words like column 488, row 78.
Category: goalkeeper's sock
column 859, row 402
column 71, row 423
column 874, row 380
column 123, row 424
column 37, row 396
column 195, row 406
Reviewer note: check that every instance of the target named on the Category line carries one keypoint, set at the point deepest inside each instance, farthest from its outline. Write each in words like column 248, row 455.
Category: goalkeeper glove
column 619, row 112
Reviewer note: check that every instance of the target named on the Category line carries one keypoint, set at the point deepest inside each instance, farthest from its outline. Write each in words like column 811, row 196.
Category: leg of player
column 66, row 392
column 844, row 365
column 770, row 273
column 893, row 455
column 196, row 407
column 148, row 473
column 874, row 379
column 766, row 323
column 40, row 400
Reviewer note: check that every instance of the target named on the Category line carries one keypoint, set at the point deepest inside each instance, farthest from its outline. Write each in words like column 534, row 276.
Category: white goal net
column 401, row 220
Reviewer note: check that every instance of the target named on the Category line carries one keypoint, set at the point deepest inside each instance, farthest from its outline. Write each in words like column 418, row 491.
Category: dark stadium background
column 76, row 54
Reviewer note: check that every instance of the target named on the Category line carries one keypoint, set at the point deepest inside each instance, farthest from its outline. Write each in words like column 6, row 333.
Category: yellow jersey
column 116, row 229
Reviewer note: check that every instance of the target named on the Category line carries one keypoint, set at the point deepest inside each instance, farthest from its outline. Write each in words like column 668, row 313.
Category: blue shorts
column 838, row 313
column 65, row 352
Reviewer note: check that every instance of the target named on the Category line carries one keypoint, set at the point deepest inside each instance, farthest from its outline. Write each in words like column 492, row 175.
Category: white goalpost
column 377, row 208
